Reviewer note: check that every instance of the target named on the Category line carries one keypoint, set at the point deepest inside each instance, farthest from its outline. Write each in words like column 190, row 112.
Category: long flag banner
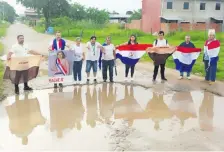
column 160, row 54
column 185, row 58
column 130, row 54
column 60, row 69
column 213, row 49
column 22, row 69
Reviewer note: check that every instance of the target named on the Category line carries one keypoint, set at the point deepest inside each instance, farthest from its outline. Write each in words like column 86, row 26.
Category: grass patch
column 3, row 28
column 120, row 35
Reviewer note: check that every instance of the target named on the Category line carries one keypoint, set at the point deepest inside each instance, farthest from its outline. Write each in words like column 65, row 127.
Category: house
column 170, row 15
column 118, row 18
column 32, row 16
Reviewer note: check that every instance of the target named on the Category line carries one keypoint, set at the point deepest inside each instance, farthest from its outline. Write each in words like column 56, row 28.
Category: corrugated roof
column 217, row 18
column 119, row 16
column 171, row 18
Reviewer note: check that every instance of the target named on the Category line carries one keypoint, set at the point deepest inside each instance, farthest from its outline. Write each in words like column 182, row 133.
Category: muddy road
column 124, row 116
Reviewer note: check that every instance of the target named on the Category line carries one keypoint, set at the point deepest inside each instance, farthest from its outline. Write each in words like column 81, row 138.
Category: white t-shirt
column 93, row 53
column 109, row 52
column 160, row 43
column 19, row 50
column 78, row 52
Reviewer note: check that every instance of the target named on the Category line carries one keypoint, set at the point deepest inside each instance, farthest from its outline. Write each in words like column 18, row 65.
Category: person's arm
column 126, row 43
column 193, row 45
column 11, row 52
column 114, row 52
column 102, row 49
column 50, row 46
column 67, row 66
column 84, row 56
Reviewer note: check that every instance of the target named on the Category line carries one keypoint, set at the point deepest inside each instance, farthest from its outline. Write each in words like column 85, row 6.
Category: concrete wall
column 193, row 14
column 151, row 11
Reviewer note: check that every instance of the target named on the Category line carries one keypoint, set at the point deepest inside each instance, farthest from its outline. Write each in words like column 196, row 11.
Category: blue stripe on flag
column 184, row 67
column 127, row 60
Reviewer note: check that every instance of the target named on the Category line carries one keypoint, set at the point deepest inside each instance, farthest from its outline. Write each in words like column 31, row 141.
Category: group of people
column 93, row 51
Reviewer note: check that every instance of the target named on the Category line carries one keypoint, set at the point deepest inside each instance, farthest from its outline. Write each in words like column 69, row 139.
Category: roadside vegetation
column 3, row 27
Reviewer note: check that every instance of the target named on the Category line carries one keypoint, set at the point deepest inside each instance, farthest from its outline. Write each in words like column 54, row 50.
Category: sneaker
column 132, row 79
column 125, row 79
column 111, row 81
column 181, row 77
column 104, row 80
column 164, row 79
column 17, row 91
column 80, row 82
column 189, row 78
column 60, row 85
column 153, row 80
column 77, row 82
column 211, row 82
column 27, row 88
column 87, row 80
column 95, row 81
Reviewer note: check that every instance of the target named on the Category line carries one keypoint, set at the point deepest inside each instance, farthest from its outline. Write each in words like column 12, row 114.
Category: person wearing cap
column 210, row 58
column 79, row 57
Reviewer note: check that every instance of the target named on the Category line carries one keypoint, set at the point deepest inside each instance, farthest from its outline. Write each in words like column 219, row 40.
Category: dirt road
column 124, row 116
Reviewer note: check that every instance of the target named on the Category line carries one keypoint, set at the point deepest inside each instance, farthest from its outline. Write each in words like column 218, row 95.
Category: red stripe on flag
column 213, row 45
column 59, row 61
column 188, row 50
column 136, row 47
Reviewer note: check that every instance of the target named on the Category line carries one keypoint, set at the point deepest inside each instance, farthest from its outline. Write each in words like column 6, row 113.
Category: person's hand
column 9, row 58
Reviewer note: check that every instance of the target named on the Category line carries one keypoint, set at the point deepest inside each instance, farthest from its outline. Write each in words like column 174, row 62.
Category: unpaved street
column 124, row 116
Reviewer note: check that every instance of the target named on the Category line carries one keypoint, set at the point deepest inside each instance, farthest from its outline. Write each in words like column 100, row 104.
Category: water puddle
column 104, row 116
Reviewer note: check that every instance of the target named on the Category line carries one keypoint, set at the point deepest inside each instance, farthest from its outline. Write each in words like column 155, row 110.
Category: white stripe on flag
column 131, row 54
column 186, row 58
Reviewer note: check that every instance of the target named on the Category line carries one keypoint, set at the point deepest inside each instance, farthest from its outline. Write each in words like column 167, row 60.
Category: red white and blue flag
column 130, row 54
column 185, row 58
column 212, row 49
column 60, row 68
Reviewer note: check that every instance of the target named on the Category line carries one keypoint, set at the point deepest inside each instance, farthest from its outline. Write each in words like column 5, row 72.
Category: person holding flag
column 211, row 56
column 185, row 57
column 159, row 54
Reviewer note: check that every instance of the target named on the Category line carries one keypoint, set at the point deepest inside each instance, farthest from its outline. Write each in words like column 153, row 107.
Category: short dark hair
column 161, row 32
column 93, row 37
column 19, row 36
column 63, row 54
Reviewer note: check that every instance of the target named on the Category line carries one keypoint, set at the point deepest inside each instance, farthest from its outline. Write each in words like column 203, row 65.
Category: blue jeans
column 108, row 64
column 210, row 71
column 91, row 65
column 77, row 70
column 182, row 74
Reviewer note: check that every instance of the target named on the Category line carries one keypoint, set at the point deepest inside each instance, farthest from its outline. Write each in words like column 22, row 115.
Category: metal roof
column 119, row 16
column 217, row 18
column 171, row 18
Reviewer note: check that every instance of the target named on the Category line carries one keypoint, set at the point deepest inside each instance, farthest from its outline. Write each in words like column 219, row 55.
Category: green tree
column 97, row 16
column 77, row 12
column 7, row 12
column 137, row 15
column 49, row 8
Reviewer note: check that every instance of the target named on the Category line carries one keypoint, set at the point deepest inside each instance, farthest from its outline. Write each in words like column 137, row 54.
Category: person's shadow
column 79, row 109
column 206, row 112
column 157, row 110
column 62, row 111
column 182, row 106
column 107, row 97
column 128, row 108
column 91, row 105
column 24, row 115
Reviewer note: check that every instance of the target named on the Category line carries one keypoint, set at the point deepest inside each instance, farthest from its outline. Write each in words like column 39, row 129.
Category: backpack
column 157, row 42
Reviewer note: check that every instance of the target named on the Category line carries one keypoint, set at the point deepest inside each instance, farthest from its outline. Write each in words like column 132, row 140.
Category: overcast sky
column 120, row 6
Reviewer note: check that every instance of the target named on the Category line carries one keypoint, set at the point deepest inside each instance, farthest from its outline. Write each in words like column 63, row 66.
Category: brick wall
column 135, row 24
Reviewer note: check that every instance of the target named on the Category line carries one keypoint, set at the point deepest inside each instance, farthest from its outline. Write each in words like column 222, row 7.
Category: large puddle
column 105, row 117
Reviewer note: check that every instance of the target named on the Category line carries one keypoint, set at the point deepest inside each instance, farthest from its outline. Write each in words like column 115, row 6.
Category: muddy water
column 112, row 117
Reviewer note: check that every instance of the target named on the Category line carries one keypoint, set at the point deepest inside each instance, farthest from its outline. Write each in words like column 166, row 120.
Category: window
column 202, row 6
column 186, row 5
column 217, row 6
column 169, row 5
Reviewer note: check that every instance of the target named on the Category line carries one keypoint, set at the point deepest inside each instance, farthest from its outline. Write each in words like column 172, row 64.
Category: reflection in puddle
column 24, row 115
column 81, row 114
